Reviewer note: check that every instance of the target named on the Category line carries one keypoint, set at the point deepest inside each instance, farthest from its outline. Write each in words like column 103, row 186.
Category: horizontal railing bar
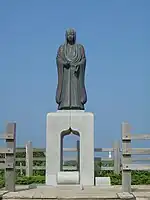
column 6, row 165
column 39, row 159
column 70, row 149
column 20, row 159
column 20, row 167
column 65, row 159
column 6, row 136
column 20, row 150
column 136, row 137
column 39, row 167
column 64, row 149
column 107, row 168
column 39, row 150
column 43, row 167
column 140, row 159
column 137, row 151
column 106, row 159
column 69, row 168
column 141, row 151
column 140, row 137
column 138, row 167
column 103, row 149
column 4, row 150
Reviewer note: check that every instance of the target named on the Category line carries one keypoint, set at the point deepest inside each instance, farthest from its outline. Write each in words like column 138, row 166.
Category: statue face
column 70, row 35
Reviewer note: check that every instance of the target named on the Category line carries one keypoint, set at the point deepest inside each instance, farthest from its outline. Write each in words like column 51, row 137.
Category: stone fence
column 128, row 164
column 121, row 160
column 29, row 159
column 8, row 164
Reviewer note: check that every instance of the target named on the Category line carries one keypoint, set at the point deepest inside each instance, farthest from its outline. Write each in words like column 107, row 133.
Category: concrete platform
column 141, row 192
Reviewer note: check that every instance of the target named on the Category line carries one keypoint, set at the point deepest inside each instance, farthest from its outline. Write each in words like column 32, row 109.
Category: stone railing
column 29, row 159
column 8, row 163
column 128, row 164
column 121, row 158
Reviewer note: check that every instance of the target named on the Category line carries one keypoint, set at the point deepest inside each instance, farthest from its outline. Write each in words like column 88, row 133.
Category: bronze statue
column 71, row 63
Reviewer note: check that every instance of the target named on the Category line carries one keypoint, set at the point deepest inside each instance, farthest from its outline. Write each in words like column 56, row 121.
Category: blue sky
column 116, row 36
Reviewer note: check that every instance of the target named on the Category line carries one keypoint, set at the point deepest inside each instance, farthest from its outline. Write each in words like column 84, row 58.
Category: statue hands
column 67, row 64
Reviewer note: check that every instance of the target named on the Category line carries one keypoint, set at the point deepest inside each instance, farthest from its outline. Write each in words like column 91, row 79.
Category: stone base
column 102, row 181
column 59, row 124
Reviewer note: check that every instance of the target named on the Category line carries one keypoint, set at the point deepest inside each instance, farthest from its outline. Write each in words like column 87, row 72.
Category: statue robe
column 71, row 93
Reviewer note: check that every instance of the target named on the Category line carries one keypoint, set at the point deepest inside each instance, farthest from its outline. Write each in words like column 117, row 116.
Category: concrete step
column 76, row 192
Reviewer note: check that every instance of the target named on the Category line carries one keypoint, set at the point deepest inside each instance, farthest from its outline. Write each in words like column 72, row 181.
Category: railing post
column 21, row 171
column 126, row 157
column 78, row 155
column 116, row 157
column 10, row 172
column 29, row 159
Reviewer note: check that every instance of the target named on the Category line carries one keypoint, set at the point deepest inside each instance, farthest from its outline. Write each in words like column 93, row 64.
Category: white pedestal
column 103, row 181
column 58, row 125
column 68, row 178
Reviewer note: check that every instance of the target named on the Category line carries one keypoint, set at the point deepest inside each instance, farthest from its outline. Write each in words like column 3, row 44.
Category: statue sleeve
column 83, row 52
column 60, row 64
column 83, row 60
column 60, row 55
column 82, row 64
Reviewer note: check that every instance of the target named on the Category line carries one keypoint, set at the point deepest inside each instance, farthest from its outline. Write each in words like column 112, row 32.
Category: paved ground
column 141, row 192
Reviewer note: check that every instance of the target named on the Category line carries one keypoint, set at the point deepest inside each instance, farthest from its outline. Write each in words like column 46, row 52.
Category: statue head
column 71, row 36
